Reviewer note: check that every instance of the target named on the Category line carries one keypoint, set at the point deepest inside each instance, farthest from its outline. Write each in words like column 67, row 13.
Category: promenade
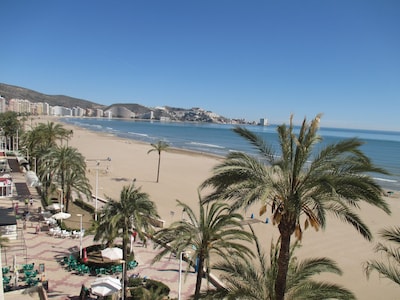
column 41, row 248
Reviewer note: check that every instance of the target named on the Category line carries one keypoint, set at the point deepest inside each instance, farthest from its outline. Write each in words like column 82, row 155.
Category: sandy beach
column 182, row 172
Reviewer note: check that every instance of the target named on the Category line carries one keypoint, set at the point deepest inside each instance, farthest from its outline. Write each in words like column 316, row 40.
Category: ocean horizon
column 382, row 147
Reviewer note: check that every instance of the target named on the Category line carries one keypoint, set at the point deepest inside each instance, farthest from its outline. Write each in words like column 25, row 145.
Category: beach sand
column 182, row 172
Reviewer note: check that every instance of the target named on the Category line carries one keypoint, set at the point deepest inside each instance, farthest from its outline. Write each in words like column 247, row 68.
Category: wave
column 385, row 180
column 206, row 145
column 139, row 134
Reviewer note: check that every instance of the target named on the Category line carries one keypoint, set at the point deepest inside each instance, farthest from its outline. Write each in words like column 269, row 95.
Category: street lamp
column 80, row 237
column 97, row 181
column 123, row 278
column 180, row 274
column 34, row 158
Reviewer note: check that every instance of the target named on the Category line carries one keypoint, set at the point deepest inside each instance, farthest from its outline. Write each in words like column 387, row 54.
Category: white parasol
column 105, row 286
column 114, row 253
column 61, row 216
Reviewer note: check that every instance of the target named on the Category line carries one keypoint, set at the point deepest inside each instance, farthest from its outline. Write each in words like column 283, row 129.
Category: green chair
column 6, row 279
column 132, row 264
column 28, row 267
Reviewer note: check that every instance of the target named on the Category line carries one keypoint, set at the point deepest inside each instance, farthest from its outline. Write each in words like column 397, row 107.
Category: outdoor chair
column 30, row 274
column 6, row 279
column 32, row 281
column 132, row 264
column 72, row 265
column 28, row 267
column 116, row 269
column 101, row 271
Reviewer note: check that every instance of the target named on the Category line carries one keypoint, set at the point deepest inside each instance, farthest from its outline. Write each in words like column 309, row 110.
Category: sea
column 382, row 147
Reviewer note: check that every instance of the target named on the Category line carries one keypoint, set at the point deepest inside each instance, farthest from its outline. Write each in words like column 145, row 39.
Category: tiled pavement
column 48, row 250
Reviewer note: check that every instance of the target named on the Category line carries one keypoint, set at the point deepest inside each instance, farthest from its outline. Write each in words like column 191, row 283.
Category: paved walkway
column 44, row 249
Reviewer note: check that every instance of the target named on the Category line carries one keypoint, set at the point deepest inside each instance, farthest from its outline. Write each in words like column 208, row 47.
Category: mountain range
column 170, row 113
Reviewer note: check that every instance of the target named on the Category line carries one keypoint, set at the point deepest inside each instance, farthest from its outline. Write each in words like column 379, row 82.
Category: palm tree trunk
column 283, row 261
column 158, row 169
column 199, row 278
column 124, row 257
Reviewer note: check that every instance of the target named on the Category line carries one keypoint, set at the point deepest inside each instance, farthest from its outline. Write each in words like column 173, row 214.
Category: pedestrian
column 31, row 201
column 134, row 234
column 16, row 208
column 26, row 202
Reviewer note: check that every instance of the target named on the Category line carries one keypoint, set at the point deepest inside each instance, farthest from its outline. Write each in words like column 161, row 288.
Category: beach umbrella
column 61, row 216
column 105, row 286
column 54, row 206
column 114, row 253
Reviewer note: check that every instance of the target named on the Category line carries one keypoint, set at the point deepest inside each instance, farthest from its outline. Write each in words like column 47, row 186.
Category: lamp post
column 34, row 158
column 97, row 182
column 180, row 274
column 123, row 278
column 80, row 236
column 61, row 199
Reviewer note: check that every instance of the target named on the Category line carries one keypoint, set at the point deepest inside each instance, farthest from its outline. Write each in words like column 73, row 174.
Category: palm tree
column 9, row 125
column 67, row 166
column 391, row 268
column 248, row 279
column 40, row 140
column 216, row 231
column 159, row 147
column 303, row 184
column 134, row 211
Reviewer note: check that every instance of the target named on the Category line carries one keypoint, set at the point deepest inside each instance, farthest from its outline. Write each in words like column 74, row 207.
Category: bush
column 140, row 287
column 153, row 285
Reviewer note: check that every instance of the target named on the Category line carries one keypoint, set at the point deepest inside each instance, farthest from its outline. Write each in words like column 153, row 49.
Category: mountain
column 11, row 91
column 119, row 110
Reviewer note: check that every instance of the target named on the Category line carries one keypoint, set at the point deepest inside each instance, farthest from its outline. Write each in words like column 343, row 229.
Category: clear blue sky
column 241, row 59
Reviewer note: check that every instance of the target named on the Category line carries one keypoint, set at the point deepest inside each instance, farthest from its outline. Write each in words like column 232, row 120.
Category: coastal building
column 263, row 122
column 3, row 105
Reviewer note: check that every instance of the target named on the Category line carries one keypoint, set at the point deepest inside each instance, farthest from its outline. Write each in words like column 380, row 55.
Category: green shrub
column 139, row 286
column 154, row 285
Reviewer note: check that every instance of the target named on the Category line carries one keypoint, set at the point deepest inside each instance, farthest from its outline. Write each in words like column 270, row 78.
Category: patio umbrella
column 54, row 206
column 114, row 253
column 105, row 286
column 61, row 216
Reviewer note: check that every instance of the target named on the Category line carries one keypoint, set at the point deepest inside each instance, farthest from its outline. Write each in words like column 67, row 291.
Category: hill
column 119, row 110
column 11, row 91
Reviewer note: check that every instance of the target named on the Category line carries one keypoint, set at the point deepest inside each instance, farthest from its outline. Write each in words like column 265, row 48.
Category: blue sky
column 241, row 59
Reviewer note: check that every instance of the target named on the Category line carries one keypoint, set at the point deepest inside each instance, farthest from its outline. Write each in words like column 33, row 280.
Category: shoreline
column 181, row 173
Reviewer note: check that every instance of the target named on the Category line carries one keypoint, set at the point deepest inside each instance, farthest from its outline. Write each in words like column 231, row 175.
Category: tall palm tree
column 160, row 146
column 249, row 279
column 217, row 231
column 134, row 211
column 391, row 267
column 67, row 167
column 302, row 184
column 9, row 125
column 41, row 139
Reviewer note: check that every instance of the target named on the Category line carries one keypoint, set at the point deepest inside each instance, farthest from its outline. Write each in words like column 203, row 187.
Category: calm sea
column 383, row 147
